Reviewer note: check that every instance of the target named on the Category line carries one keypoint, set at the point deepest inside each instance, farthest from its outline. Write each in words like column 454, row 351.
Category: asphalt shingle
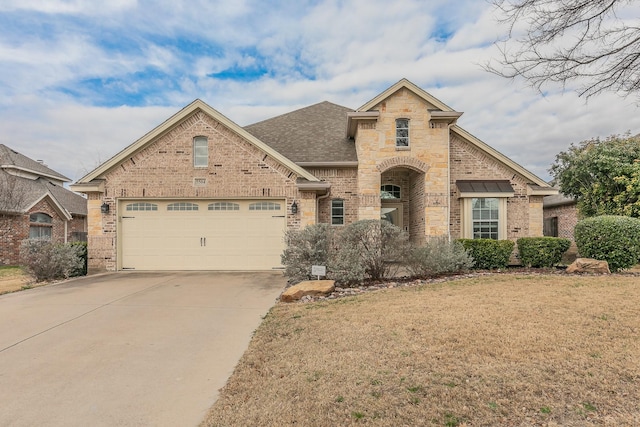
column 312, row 134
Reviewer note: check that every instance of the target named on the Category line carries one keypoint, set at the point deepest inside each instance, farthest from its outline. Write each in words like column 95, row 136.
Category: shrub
column 615, row 239
column 82, row 253
column 438, row 256
column 306, row 247
column 488, row 254
column 372, row 246
column 542, row 251
column 45, row 260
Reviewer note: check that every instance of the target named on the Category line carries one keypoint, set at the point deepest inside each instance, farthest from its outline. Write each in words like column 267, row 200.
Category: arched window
column 264, row 206
column 223, row 206
column 389, row 191
column 182, row 206
column 142, row 206
column 40, row 226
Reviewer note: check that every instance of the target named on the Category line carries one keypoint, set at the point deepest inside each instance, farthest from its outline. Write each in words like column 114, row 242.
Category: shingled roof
column 11, row 159
column 314, row 134
column 29, row 191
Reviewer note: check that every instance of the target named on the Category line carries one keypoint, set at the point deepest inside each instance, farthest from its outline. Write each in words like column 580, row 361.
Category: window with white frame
column 484, row 218
column 337, row 212
column 40, row 226
column 200, row 152
column 402, row 133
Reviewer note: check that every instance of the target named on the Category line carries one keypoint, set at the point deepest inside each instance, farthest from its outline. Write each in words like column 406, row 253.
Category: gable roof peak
column 405, row 84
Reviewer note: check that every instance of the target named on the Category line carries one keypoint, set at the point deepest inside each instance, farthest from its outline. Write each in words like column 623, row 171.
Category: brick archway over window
column 406, row 162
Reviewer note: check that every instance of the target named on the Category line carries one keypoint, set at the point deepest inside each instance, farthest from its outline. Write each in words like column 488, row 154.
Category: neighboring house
column 560, row 216
column 200, row 192
column 35, row 205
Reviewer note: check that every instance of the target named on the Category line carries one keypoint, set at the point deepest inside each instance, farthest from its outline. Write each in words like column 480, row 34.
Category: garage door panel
column 239, row 239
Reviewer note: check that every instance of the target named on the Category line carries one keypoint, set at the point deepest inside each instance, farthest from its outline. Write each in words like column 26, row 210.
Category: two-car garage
column 158, row 234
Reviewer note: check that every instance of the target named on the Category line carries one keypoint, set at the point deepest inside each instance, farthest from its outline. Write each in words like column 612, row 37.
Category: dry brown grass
column 501, row 350
column 13, row 279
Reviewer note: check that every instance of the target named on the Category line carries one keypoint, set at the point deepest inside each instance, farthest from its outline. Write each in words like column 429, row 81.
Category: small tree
column 377, row 247
column 603, row 176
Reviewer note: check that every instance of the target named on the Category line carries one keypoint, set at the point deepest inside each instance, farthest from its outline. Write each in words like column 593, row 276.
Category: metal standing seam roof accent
column 484, row 186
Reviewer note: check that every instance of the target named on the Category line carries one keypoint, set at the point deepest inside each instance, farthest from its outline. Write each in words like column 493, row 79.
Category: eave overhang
column 320, row 187
column 355, row 116
column 449, row 117
column 95, row 186
column 536, row 190
column 343, row 164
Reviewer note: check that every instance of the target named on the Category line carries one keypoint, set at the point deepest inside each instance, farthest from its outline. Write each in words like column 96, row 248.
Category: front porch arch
column 405, row 162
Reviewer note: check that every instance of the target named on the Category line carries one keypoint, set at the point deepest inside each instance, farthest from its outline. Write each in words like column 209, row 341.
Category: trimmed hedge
column 488, row 254
column 542, row 251
column 615, row 239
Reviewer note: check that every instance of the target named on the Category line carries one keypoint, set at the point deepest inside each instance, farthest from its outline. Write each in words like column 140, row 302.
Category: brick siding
column 567, row 219
column 164, row 169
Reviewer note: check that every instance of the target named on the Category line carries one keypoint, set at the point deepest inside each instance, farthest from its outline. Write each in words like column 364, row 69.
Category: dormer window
column 402, row 133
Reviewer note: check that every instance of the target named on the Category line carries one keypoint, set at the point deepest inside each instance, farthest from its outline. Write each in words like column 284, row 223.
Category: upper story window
column 337, row 212
column 402, row 132
column 200, row 152
column 389, row 191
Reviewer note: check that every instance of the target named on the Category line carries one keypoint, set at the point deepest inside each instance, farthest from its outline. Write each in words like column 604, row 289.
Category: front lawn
column 13, row 279
column 496, row 350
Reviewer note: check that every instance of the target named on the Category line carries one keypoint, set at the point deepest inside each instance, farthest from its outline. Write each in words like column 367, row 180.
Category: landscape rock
column 310, row 287
column 589, row 265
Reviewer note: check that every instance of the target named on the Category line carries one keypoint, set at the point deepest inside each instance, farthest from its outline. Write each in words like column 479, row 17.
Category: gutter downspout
column 449, row 182
column 318, row 204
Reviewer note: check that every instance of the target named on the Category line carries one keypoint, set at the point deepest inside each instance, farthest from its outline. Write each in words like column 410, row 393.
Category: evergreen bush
column 438, row 256
column 542, row 251
column 488, row 254
column 615, row 239
column 45, row 260
column 306, row 247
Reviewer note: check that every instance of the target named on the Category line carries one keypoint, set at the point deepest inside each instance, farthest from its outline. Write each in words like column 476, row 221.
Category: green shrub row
column 374, row 250
column 615, row 239
column 488, row 254
column 542, row 251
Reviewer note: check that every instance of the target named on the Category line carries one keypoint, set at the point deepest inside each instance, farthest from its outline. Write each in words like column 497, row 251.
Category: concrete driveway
column 126, row 349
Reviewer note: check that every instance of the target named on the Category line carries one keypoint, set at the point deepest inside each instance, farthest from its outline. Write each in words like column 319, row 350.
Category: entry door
column 392, row 212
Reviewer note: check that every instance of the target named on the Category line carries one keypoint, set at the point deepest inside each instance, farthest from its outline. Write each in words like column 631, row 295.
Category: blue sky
column 80, row 80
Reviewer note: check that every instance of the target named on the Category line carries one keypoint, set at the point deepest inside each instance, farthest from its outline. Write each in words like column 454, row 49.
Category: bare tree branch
column 583, row 41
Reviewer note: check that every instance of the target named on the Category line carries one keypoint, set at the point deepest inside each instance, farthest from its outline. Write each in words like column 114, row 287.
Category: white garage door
column 202, row 234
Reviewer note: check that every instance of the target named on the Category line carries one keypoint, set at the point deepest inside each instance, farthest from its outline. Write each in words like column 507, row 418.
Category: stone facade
column 426, row 171
column 427, row 154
